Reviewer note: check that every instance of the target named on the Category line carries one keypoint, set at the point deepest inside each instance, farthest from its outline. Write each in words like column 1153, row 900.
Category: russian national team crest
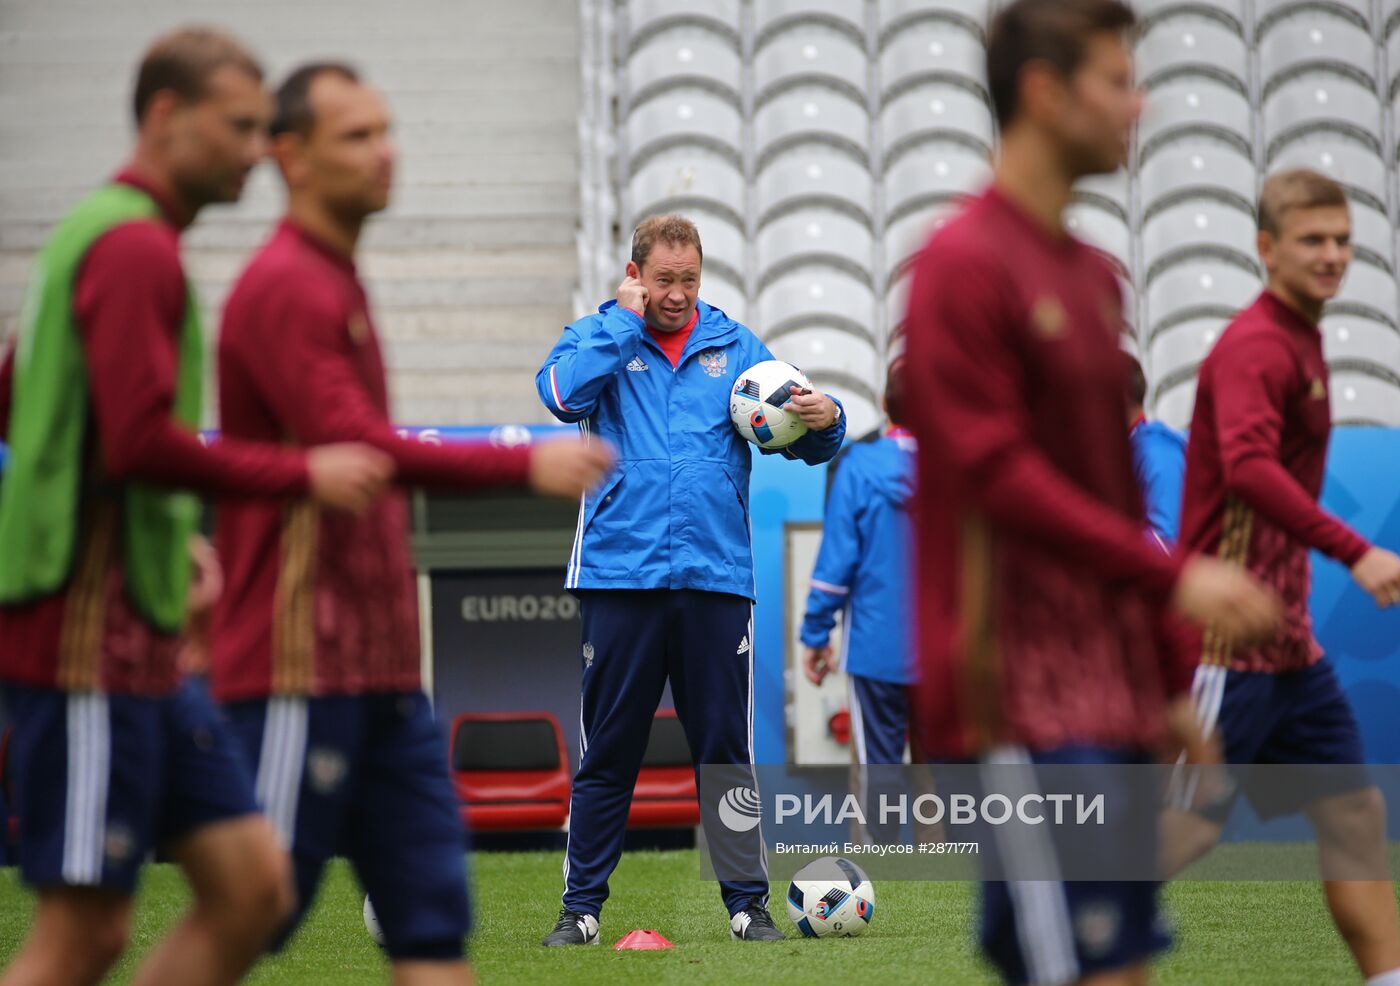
column 714, row 362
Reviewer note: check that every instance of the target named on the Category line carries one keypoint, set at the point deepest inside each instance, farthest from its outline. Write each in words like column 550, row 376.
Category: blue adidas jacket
column 675, row 512
column 1159, row 458
column 863, row 566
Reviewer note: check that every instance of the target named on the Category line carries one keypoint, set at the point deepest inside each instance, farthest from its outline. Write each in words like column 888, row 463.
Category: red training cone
column 642, row 940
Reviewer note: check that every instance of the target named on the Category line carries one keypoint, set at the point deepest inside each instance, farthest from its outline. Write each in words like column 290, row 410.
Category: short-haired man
column 316, row 651
column 111, row 757
column 1159, row 458
column 662, row 561
column 1040, row 601
column 863, row 572
column 1254, row 470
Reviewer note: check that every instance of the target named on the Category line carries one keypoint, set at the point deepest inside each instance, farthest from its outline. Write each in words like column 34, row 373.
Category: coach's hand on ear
column 1226, row 599
column 631, row 294
column 566, row 467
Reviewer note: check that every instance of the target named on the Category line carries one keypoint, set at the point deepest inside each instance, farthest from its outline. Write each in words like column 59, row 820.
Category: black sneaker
column 574, row 928
column 754, row 923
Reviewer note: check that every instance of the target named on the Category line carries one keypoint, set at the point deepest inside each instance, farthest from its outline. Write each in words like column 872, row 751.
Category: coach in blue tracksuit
column 662, row 561
column 862, row 571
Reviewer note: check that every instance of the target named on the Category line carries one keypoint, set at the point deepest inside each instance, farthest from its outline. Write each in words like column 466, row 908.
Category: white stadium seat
column 1371, row 230
column 936, row 110
column 814, row 172
column 772, row 16
column 1369, row 288
column 814, row 231
column 1174, row 404
column 1359, row 397
column 1197, row 288
column 1355, row 165
column 684, row 116
column 1196, row 163
column 810, row 114
column 1195, row 103
column 808, row 52
column 1182, row 346
column 1320, row 100
column 1102, row 229
column 907, row 235
column 895, row 15
column 815, row 293
column 685, row 174
column 1230, row 11
column 646, row 18
column 929, row 47
column 1307, row 34
column 725, row 295
column 680, row 55
column 1191, row 40
column 1352, row 337
column 818, row 347
column 1193, row 225
column 931, row 172
column 1111, row 189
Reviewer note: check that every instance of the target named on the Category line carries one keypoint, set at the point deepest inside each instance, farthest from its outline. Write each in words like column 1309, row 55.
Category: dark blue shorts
column 1054, row 931
column 366, row 777
column 99, row 781
column 1302, row 718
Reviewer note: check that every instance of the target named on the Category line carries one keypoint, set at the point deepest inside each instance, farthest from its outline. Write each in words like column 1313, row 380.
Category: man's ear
column 633, row 270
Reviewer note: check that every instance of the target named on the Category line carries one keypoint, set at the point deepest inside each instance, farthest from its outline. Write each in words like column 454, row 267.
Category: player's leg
column 710, row 651
column 85, row 789
column 879, row 730
column 624, row 674
column 404, row 836
column 301, row 752
column 236, row 868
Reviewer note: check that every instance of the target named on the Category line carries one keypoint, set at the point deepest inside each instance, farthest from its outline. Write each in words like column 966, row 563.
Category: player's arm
column 590, row 354
column 963, row 365
column 129, row 301
column 319, row 396
column 834, row 572
column 1256, row 375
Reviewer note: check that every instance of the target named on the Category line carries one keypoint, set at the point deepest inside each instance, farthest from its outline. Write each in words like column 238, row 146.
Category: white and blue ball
column 831, row 898
column 756, row 404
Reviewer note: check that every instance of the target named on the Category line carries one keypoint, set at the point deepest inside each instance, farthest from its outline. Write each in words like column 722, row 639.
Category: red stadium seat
column 665, row 793
column 510, row 770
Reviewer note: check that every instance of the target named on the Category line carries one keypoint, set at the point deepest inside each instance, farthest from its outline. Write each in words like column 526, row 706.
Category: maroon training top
column 129, row 300
column 1041, row 606
column 318, row 602
column 1254, row 469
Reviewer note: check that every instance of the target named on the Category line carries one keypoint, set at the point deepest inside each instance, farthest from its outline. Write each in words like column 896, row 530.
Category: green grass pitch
column 1228, row 933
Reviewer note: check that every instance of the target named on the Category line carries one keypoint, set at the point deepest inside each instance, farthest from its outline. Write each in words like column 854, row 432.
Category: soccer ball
column 372, row 923
column 756, row 404
column 831, row 898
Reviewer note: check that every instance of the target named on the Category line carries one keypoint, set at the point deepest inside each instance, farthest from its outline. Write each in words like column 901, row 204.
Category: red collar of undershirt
column 129, row 176
column 1282, row 312
column 335, row 256
column 898, row 431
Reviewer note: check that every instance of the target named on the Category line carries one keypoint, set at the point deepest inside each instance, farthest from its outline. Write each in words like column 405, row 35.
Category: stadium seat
column 725, row 294
column 1198, row 287
column 1103, row 229
column 772, row 17
column 689, row 55
column 1196, row 226
column 1370, row 289
column 510, row 770
column 1356, row 165
column 1193, row 164
column 813, row 174
column 898, row 15
column 1182, row 347
column 1292, row 36
column 1174, row 402
column 1371, row 231
column 1364, row 394
column 932, row 50
column 1231, row 12
column 823, row 349
column 1195, row 105
column 937, row 112
column 1319, row 100
column 814, row 232
column 904, row 238
column 1191, row 40
column 681, row 117
column 815, row 294
column 1107, row 191
column 664, row 796
column 646, row 18
column 809, row 52
column 931, row 172
column 686, row 176
column 811, row 115
column 1353, row 337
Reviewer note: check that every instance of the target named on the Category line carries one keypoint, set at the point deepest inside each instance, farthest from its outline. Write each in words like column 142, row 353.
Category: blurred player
column 316, row 648
column 862, row 571
column 110, row 758
column 663, row 562
column 1254, row 471
column 1040, row 601
column 1159, row 458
